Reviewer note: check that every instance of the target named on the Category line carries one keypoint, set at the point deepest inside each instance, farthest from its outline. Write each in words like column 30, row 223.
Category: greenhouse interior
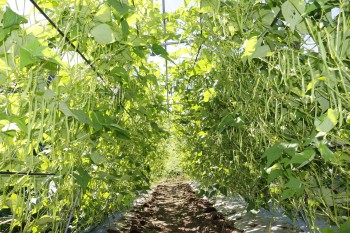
column 175, row 116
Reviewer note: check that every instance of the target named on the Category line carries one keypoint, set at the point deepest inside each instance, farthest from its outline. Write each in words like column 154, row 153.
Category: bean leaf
column 326, row 153
column 11, row 19
column 82, row 177
column 291, row 15
column 273, row 153
column 327, row 122
column 103, row 34
column 303, row 158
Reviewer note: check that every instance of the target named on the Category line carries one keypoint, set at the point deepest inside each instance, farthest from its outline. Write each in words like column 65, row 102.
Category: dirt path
column 175, row 208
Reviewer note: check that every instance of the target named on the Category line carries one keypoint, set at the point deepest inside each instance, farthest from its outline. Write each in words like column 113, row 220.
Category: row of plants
column 262, row 107
column 271, row 122
column 81, row 135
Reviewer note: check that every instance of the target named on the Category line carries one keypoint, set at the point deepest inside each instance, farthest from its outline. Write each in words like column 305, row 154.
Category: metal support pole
column 174, row 42
column 166, row 61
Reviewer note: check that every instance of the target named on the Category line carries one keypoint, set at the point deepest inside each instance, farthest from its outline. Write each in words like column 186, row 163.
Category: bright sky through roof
column 171, row 5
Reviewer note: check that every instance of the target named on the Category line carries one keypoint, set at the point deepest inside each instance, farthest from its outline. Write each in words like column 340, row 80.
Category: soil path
column 175, row 208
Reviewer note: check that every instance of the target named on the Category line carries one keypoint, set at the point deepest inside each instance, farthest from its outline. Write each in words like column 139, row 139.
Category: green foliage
column 255, row 109
column 276, row 130
column 292, row 11
column 210, row 5
column 95, row 131
column 11, row 19
column 104, row 34
column 345, row 227
column 121, row 6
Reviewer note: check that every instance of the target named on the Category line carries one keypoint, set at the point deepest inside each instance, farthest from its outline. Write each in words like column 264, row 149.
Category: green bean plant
column 257, row 102
column 266, row 104
column 79, row 136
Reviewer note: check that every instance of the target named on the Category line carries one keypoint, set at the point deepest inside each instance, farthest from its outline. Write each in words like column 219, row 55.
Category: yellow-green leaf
column 208, row 94
column 104, row 14
column 104, row 34
column 250, row 47
column 327, row 122
column 311, row 84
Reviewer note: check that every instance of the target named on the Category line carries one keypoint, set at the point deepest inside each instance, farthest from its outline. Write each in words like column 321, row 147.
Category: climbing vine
column 259, row 101
column 79, row 137
column 266, row 105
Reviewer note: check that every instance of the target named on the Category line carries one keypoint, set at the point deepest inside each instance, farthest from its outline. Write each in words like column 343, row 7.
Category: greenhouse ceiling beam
column 166, row 60
column 174, row 42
